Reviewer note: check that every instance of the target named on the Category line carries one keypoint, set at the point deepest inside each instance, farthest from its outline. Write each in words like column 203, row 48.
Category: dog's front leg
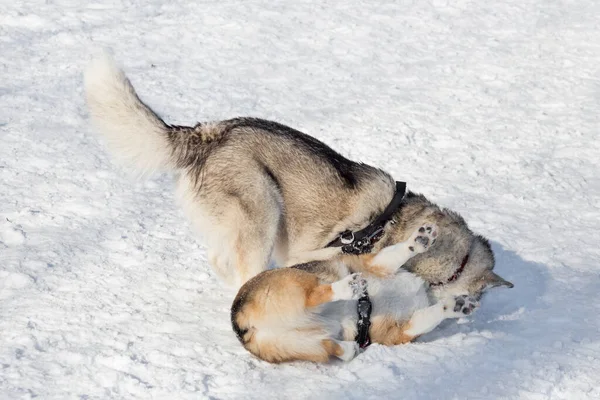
column 315, row 255
column 426, row 319
column 387, row 261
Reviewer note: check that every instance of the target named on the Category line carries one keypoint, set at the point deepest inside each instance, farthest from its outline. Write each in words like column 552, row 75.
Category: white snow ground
column 489, row 108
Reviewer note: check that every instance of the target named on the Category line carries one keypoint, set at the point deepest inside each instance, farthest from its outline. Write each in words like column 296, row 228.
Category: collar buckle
column 362, row 241
column 347, row 237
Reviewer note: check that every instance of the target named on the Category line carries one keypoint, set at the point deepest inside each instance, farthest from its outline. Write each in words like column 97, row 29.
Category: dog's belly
column 399, row 296
column 396, row 297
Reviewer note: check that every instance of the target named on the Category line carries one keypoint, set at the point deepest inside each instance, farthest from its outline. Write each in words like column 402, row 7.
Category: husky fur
column 308, row 312
column 261, row 192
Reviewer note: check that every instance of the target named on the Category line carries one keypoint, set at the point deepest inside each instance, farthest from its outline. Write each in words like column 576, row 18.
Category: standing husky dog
column 260, row 191
column 306, row 313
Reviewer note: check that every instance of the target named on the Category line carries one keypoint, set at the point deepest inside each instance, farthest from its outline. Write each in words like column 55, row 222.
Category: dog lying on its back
column 306, row 313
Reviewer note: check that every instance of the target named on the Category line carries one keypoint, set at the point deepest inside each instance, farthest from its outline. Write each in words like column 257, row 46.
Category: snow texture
column 490, row 108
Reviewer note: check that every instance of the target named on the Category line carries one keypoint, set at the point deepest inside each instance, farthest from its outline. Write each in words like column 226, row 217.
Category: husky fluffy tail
column 135, row 133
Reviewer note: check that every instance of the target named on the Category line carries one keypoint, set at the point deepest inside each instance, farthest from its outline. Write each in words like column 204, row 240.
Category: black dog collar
column 363, row 324
column 362, row 242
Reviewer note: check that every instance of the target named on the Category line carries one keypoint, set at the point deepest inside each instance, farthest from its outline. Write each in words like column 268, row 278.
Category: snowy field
column 491, row 108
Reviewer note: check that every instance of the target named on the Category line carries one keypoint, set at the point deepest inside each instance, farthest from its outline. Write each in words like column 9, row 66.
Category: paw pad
column 465, row 304
column 423, row 238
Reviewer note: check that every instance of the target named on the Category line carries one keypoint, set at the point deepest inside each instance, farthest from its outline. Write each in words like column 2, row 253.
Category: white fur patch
column 132, row 130
column 426, row 319
column 350, row 348
column 393, row 257
column 342, row 289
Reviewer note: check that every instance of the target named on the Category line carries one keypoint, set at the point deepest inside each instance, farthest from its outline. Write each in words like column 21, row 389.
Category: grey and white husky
column 262, row 192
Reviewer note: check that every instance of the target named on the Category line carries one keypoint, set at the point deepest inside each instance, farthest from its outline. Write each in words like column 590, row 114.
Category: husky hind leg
column 239, row 226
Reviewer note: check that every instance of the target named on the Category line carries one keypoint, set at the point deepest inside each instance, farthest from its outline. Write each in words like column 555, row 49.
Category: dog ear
column 492, row 280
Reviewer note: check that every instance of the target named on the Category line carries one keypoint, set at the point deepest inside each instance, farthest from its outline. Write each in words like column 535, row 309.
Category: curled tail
column 135, row 133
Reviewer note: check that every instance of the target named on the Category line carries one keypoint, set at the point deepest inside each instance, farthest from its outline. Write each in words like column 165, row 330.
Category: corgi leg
column 390, row 332
column 351, row 287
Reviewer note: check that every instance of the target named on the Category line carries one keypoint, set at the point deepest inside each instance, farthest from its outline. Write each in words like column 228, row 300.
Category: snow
column 489, row 108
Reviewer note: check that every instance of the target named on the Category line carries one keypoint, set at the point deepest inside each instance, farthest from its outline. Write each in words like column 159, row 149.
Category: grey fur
column 454, row 241
column 260, row 191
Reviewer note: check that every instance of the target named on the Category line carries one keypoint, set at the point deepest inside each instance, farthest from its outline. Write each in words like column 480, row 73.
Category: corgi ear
column 492, row 280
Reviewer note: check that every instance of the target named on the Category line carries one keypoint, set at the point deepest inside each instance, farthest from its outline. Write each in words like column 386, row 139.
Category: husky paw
column 351, row 350
column 351, row 287
column 460, row 306
column 422, row 238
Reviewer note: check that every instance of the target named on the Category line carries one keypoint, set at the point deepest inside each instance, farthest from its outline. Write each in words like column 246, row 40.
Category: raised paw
column 358, row 285
column 352, row 287
column 423, row 238
column 460, row 306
